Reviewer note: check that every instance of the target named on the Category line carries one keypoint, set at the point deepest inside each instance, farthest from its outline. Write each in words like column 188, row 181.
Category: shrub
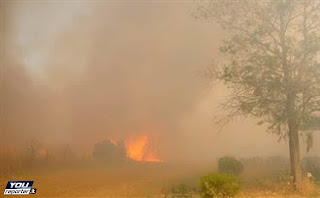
column 219, row 186
column 312, row 165
column 180, row 191
column 106, row 151
column 230, row 165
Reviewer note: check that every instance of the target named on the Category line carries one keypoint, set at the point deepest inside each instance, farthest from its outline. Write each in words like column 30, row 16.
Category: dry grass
column 143, row 180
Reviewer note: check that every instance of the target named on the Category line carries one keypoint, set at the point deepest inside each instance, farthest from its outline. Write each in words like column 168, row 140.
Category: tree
column 271, row 63
column 230, row 165
column 107, row 151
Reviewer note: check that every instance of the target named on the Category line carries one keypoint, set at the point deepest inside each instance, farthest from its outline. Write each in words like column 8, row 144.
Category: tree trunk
column 294, row 146
column 295, row 157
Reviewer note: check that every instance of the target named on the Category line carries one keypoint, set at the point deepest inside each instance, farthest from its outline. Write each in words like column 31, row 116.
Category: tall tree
column 271, row 62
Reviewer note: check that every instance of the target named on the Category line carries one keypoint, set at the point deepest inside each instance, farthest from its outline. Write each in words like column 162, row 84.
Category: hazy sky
column 113, row 69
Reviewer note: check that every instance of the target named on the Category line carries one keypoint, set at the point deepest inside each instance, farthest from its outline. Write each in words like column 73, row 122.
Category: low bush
column 219, row 186
column 108, row 152
column 230, row 165
column 312, row 165
column 180, row 191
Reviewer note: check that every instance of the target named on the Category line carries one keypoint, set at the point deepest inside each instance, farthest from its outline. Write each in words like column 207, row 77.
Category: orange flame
column 139, row 149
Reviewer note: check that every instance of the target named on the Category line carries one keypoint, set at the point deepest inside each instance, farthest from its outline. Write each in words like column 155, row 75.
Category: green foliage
column 219, row 186
column 230, row 165
column 312, row 165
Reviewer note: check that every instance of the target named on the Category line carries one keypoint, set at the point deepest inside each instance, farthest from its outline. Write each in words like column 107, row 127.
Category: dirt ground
column 138, row 181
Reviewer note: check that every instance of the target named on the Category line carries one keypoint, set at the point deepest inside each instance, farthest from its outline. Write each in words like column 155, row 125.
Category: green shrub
column 312, row 165
column 219, row 186
column 230, row 165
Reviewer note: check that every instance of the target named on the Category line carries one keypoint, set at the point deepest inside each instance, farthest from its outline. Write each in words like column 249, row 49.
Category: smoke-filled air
column 181, row 98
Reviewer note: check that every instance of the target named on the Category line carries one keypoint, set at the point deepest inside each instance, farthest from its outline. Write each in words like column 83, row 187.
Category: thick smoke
column 78, row 73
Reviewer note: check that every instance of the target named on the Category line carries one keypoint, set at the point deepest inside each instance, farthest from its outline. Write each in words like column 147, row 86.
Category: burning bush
column 230, row 165
column 139, row 148
column 219, row 185
column 107, row 151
